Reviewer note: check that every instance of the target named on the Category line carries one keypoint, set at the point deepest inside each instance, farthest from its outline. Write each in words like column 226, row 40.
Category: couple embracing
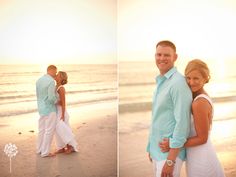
column 182, row 115
column 54, row 118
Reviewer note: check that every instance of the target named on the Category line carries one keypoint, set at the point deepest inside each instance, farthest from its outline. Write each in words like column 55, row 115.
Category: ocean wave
column 16, row 111
column 94, row 82
column 21, row 95
column 20, row 73
column 104, row 90
column 147, row 106
column 15, row 97
column 18, row 101
column 136, row 84
column 8, row 92
column 135, row 107
column 224, row 99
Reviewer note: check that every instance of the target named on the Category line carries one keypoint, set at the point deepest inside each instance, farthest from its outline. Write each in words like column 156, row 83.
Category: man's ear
column 176, row 56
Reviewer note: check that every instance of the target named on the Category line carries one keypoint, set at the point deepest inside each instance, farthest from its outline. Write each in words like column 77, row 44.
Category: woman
column 64, row 137
column 201, row 157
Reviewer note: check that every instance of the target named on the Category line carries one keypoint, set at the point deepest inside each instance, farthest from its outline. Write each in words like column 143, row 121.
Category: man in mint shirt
column 46, row 100
column 171, row 110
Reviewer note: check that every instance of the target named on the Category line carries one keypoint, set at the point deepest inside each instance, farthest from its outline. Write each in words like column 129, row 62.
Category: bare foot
column 60, row 151
column 69, row 150
column 50, row 155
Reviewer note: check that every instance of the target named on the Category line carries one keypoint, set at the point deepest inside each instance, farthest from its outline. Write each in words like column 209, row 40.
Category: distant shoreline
column 147, row 106
column 70, row 105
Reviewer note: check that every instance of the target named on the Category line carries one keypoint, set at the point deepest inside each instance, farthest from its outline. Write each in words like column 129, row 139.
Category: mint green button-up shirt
column 46, row 95
column 171, row 110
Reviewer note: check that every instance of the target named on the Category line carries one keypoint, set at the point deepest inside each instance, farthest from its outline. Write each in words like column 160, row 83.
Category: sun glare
column 57, row 31
column 200, row 29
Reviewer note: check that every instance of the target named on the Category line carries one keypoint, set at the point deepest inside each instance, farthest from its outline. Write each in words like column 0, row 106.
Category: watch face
column 169, row 162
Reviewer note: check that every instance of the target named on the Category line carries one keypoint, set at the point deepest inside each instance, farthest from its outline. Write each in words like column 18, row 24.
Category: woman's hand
column 164, row 145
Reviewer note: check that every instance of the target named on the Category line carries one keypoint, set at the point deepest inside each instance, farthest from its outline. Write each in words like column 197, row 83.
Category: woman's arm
column 61, row 93
column 201, row 109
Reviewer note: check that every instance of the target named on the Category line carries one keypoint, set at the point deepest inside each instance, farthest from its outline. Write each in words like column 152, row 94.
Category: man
column 170, row 113
column 46, row 100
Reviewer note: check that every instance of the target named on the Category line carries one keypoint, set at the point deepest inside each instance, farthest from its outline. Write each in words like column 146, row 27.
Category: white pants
column 46, row 127
column 158, row 165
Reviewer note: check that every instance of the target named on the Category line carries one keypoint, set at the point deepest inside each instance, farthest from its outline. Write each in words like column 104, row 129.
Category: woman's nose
column 191, row 84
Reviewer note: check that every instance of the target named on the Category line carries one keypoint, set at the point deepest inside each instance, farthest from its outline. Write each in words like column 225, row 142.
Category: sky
column 108, row 31
column 58, row 31
column 199, row 28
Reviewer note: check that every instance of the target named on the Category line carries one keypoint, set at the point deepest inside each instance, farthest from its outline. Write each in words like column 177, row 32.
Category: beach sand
column 95, row 129
column 133, row 135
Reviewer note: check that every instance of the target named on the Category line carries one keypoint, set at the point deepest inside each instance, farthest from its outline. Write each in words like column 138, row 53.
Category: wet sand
column 133, row 135
column 95, row 129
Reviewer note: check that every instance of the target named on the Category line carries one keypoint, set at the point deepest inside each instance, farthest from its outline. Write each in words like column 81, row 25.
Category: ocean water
column 137, row 83
column 87, row 84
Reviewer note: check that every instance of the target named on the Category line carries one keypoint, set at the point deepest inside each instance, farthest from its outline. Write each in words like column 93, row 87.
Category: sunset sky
column 58, row 31
column 105, row 31
column 199, row 28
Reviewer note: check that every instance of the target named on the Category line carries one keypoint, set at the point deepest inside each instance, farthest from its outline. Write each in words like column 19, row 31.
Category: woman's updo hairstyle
column 200, row 66
column 64, row 77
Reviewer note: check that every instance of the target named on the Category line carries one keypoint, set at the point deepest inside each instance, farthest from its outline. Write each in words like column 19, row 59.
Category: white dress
column 64, row 134
column 202, row 160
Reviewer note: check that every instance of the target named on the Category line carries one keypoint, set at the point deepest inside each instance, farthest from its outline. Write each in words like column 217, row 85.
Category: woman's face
column 195, row 80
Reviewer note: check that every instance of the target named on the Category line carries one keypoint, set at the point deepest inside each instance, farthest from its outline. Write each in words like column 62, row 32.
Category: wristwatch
column 170, row 163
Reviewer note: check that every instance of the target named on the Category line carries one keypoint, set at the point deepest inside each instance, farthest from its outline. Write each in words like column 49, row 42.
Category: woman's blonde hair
column 199, row 65
column 64, row 77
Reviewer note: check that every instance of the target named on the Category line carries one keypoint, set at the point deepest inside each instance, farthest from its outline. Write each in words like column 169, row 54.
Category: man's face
column 165, row 57
column 54, row 73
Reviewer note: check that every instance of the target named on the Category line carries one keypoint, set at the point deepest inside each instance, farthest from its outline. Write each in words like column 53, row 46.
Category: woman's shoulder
column 61, row 87
column 203, row 97
column 202, row 100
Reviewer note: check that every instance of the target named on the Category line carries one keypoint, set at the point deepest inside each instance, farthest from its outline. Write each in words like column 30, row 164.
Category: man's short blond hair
column 167, row 43
column 51, row 67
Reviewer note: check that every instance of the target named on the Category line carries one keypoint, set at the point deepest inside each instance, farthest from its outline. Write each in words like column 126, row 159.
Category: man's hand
column 149, row 157
column 164, row 145
column 167, row 171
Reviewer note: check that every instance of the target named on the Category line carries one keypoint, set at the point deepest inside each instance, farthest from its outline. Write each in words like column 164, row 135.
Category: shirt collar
column 49, row 76
column 170, row 72
column 166, row 75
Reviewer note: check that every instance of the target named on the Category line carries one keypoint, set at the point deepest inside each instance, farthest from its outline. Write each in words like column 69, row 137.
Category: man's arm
column 182, row 99
column 167, row 170
column 52, row 93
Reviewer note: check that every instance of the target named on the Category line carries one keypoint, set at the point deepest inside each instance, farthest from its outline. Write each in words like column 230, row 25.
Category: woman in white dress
column 65, row 140
column 201, row 159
